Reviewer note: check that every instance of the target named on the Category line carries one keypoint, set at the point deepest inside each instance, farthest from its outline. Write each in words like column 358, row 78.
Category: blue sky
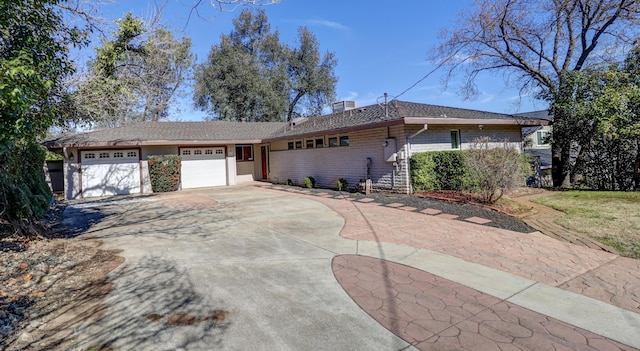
column 381, row 46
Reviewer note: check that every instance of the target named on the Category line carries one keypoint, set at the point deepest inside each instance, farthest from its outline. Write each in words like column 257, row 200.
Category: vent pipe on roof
column 386, row 108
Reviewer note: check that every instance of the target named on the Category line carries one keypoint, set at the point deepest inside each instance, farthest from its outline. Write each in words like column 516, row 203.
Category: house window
column 319, row 143
column 197, row 152
column 298, row 144
column 90, row 155
column 455, row 139
column 186, row 152
column 333, row 142
column 244, row 152
column 290, row 145
column 132, row 154
column 118, row 154
column 208, row 152
column 542, row 137
column 344, row 140
column 103, row 155
column 219, row 152
column 309, row 143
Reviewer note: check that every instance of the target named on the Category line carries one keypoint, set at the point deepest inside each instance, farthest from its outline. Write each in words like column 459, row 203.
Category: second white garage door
column 203, row 167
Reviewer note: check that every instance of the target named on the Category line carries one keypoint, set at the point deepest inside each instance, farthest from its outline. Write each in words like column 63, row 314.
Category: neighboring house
column 373, row 142
column 537, row 144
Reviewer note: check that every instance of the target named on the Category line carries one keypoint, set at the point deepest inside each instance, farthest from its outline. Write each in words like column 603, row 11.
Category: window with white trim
column 219, row 152
column 542, row 137
column 186, row 152
column 132, row 154
column 209, row 152
column 197, row 152
column 118, row 154
column 103, row 155
column 89, row 155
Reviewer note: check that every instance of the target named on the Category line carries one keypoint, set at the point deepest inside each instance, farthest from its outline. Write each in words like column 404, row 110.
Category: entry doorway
column 265, row 162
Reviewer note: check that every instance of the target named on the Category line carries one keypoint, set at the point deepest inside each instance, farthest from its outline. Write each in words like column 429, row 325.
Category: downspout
column 408, row 143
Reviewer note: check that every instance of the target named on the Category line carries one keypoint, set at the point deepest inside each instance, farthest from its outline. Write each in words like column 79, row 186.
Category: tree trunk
column 636, row 166
column 560, row 166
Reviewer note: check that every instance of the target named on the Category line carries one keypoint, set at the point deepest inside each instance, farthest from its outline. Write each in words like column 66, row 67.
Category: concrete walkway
column 290, row 270
column 579, row 294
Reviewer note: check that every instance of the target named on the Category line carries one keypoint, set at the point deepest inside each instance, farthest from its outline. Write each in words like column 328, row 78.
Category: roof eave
column 461, row 121
column 129, row 143
column 337, row 130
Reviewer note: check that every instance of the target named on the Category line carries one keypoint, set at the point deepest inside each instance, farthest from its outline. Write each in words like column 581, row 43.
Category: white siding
column 438, row 138
column 328, row 164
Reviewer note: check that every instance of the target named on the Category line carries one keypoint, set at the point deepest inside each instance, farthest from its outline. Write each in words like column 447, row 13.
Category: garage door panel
column 110, row 173
column 203, row 167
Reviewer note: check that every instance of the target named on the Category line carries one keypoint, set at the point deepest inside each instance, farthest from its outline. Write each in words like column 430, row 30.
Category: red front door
column 263, row 156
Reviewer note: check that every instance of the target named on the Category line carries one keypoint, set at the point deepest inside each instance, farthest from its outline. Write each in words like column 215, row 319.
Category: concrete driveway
column 263, row 258
column 246, row 268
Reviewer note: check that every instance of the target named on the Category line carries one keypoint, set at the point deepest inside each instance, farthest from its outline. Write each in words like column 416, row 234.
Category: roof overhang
column 461, row 121
column 130, row 143
column 337, row 130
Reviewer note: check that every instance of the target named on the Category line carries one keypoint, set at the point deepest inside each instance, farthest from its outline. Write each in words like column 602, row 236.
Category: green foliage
column 600, row 125
column 496, row 169
column 310, row 182
column 164, row 172
column 342, row 184
column 24, row 193
column 52, row 156
column 251, row 76
column 34, row 63
column 440, row 170
column 135, row 75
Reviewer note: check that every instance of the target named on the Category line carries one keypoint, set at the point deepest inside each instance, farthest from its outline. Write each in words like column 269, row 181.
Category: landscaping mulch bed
column 461, row 205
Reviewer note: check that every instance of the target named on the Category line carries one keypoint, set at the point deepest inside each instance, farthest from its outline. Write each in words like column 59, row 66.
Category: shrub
column 310, row 182
column 496, row 170
column 24, row 194
column 164, row 172
column 342, row 184
column 440, row 170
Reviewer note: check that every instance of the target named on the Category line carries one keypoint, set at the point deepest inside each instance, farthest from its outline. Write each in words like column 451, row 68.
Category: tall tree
column 135, row 75
column 34, row 63
column 251, row 76
column 312, row 79
column 532, row 43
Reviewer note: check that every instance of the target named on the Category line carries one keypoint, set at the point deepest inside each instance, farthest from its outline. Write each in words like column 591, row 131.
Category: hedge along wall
column 440, row 170
column 164, row 172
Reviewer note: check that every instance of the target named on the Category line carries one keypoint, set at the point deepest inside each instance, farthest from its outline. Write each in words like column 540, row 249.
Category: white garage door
column 203, row 167
column 110, row 172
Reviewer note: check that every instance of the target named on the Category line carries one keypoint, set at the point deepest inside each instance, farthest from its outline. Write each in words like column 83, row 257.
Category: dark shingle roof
column 541, row 114
column 221, row 131
column 142, row 132
column 396, row 110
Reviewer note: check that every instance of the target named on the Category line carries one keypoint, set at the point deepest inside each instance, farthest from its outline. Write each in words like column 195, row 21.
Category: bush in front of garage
column 24, row 193
column 164, row 172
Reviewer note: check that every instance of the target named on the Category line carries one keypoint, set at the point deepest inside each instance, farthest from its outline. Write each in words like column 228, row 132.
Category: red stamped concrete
column 593, row 273
column 477, row 220
column 433, row 313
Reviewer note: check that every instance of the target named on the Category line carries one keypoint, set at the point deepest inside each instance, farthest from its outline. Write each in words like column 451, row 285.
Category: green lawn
column 613, row 218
